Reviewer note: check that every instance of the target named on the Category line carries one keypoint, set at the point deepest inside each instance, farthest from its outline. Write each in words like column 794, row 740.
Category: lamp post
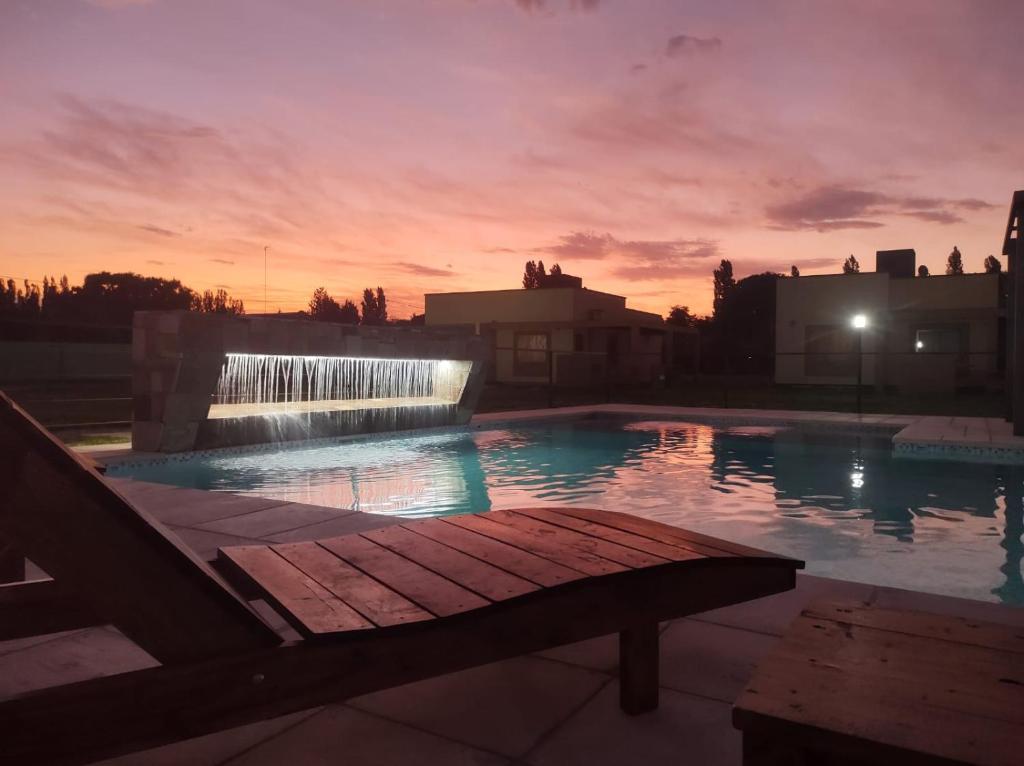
column 860, row 324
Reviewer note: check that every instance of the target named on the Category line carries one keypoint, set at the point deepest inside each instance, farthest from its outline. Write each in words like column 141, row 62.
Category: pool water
column 844, row 503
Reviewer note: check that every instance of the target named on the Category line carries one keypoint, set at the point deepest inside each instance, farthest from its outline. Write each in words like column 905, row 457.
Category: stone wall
column 177, row 358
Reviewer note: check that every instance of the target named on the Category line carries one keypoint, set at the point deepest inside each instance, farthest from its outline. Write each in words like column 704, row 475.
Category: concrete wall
column 897, row 309
column 177, row 358
column 30, row 361
column 828, row 301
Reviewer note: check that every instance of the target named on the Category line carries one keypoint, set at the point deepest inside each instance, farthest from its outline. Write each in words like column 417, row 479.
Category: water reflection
column 844, row 503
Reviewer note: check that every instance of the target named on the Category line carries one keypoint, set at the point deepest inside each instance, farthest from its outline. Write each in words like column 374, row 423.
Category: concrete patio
column 555, row 707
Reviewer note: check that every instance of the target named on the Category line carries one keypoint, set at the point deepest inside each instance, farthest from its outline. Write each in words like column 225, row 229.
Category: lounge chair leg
column 638, row 669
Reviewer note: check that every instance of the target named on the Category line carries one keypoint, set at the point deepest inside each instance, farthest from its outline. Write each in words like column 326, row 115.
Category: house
column 565, row 334
column 922, row 333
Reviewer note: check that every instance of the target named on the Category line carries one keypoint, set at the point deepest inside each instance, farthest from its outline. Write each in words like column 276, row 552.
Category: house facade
column 934, row 333
column 568, row 336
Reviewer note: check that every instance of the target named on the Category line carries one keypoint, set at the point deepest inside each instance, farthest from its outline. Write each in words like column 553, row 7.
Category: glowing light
column 859, row 321
column 919, row 345
column 857, row 479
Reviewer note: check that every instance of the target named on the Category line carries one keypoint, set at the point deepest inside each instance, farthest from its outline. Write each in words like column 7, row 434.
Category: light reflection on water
column 841, row 502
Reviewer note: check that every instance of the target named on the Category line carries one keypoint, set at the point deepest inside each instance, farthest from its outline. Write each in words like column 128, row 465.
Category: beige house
column 562, row 335
column 923, row 333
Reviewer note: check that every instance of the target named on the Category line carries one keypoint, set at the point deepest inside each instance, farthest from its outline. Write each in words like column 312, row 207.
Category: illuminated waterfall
column 268, row 384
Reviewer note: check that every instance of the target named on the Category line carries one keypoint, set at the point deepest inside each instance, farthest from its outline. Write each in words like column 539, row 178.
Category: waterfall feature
column 267, row 384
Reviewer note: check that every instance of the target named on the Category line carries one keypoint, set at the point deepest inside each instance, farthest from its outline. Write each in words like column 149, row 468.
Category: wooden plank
column 73, row 724
column 975, row 679
column 936, row 627
column 436, row 594
column 122, row 563
column 848, row 686
column 627, row 539
column 473, row 574
column 665, row 533
column 519, row 562
column 620, row 554
column 581, row 561
column 375, row 601
column 308, row 606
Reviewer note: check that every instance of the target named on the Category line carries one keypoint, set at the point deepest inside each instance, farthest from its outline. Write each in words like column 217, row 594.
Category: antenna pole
column 265, row 248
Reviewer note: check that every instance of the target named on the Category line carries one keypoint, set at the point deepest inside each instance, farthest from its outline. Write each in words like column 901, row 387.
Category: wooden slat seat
column 375, row 580
column 856, row 684
column 374, row 610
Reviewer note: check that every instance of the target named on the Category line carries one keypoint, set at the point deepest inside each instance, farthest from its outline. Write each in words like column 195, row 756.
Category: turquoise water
column 843, row 503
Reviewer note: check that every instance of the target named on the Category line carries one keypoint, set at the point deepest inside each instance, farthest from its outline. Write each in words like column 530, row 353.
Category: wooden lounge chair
column 857, row 684
column 374, row 610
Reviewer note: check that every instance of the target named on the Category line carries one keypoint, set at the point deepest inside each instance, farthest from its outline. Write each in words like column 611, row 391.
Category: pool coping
column 973, row 439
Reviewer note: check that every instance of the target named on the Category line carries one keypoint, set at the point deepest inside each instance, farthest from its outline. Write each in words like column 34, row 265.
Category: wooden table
column 850, row 683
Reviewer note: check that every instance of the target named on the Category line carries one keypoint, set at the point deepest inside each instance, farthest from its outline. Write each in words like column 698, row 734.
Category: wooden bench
column 374, row 610
column 854, row 684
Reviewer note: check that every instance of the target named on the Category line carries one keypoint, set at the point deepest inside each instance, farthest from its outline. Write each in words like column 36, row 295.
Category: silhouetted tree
column 680, row 316
column 851, row 265
column 741, row 335
column 922, row 271
column 217, row 303
column 992, row 265
column 724, row 283
column 375, row 307
column 418, row 320
column 323, row 308
column 794, row 271
column 955, row 263
column 556, row 270
column 534, row 271
column 349, row 313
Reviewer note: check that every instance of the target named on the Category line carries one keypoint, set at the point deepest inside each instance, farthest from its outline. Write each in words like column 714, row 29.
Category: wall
column 548, row 305
column 826, row 301
column 31, row 361
column 177, row 358
column 897, row 309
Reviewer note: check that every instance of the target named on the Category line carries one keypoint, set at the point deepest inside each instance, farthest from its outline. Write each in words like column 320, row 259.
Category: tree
column 922, row 271
column 680, row 316
column 851, row 265
column 955, row 263
column 530, row 275
column 349, row 313
column 992, row 265
column 556, row 270
column 794, row 271
column 375, row 307
column 724, row 284
column 218, row 303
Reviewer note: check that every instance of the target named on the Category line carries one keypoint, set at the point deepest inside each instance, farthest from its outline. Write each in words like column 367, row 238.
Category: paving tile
column 17, row 644
column 78, row 656
column 212, row 749
column 683, row 730
column 773, row 614
column 600, row 653
column 343, row 735
column 188, row 507
column 350, row 523
column 710, row 660
column 280, row 518
column 206, row 543
column 503, row 707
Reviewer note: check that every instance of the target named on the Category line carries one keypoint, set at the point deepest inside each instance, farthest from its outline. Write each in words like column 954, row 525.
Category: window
column 829, row 351
column 531, row 354
column 940, row 340
column 579, row 342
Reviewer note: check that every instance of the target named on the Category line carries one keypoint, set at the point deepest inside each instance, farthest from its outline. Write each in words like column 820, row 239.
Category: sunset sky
column 437, row 145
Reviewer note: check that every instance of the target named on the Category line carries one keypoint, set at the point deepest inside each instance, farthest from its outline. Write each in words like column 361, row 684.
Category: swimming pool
column 842, row 502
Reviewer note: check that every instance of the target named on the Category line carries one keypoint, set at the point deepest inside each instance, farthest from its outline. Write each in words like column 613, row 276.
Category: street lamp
column 859, row 322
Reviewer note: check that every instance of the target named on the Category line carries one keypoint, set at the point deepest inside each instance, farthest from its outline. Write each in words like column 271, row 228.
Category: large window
column 829, row 351
column 531, row 354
